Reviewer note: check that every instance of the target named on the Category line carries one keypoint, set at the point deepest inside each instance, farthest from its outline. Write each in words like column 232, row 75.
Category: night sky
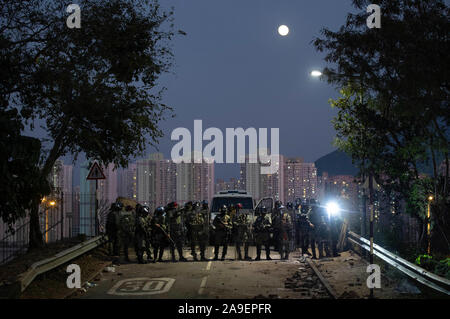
column 233, row 69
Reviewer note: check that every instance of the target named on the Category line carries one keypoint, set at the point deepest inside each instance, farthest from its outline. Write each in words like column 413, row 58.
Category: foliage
column 19, row 169
column 393, row 109
column 440, row 268
column 94, row 88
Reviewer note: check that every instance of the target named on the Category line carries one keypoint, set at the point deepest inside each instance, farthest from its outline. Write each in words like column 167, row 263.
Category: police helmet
column 117, row 206
column 172, row 205
column 205, row 204
column 278, row 203
column 223, row 209
column 159, row 210
column 145, row 210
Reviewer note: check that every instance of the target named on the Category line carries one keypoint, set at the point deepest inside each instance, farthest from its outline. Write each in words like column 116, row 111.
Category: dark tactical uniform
column 319, row 231
column 140, row 233
column 275, row 213
column 198, row 229
column 304, row 228
column 148, row 232
column 126, row 230
column 206, row 215
column 242, row 233
column 262, row 228
column 222, row 225
column 176, row 230
column 159, row 233
column 283, row 228
column 334, row 229
column 112, row 228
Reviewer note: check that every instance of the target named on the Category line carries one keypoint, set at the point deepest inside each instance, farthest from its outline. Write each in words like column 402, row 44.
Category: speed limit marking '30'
column 141, row 286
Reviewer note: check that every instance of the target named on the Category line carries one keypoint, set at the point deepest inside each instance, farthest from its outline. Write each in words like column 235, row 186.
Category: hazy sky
column 233, row 70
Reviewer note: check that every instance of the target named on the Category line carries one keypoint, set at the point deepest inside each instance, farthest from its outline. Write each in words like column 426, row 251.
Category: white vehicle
column 232, row 197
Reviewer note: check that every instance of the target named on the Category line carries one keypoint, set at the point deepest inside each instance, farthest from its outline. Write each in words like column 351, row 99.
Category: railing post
column 62, row 215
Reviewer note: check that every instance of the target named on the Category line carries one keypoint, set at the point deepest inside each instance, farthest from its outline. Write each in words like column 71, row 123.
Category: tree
column 393, row 111
column 94, row 87
column 22, row 184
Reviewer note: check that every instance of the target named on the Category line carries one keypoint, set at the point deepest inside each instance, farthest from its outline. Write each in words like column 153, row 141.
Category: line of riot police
column 315, row 228
column 172, row 226
column 166, row 227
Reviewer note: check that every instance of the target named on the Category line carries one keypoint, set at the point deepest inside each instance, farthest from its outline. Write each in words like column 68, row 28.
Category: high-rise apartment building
column 156, row 181
column 300, row 180
column 194, row 181
column 127, row 182
column 262, row 185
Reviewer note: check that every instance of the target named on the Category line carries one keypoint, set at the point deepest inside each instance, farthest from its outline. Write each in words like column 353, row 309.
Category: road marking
column 141, row 286
column 208, row 266
column 202, row 285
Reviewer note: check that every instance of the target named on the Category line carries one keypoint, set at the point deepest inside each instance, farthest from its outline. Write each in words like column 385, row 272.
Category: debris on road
column 307, row 284
column 109, row 269
column 405, row 287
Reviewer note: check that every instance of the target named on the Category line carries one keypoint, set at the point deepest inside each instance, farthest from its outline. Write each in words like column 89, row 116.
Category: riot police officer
column 148, row 231
column 126, row 230
column 242, row 232
column 318, row 232
column 160, row 237
column 262, row 228
column 198, row 229
column 282, row 224
column 187, row 210
column 304, row 228
column 112, row 228
column 222, row 225
column 176, row 230
column 207, row 216
column 140, row 233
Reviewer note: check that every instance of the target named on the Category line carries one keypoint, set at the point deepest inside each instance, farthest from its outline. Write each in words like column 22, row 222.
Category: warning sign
column 95, row 172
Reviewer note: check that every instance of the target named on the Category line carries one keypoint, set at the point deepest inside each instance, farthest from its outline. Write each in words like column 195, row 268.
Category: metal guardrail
column 415, row 272
column 59, row 259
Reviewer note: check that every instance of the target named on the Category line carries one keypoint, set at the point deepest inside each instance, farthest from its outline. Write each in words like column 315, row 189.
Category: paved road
column 191, row 280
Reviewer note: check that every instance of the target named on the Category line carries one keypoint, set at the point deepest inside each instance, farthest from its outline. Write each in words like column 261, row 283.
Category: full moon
column 283, row 30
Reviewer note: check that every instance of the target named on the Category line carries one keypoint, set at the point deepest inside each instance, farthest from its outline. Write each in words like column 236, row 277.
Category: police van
column 232, row 197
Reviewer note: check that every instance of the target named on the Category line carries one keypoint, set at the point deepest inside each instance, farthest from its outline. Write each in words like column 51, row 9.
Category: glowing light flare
column 333, row 209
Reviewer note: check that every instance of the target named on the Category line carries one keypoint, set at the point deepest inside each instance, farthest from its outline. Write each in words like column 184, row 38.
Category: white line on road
column 208, row 266
column 202, row 285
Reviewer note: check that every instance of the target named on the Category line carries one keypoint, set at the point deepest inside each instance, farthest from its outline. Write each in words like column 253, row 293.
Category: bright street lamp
column 333, row 209
column 430, row 199
column 316, row 73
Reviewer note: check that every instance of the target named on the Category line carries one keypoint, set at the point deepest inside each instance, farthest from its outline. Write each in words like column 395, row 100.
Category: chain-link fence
column 61, row 216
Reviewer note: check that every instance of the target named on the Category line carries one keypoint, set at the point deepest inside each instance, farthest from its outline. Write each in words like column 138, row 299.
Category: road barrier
column 415, row 272
column 43, row 266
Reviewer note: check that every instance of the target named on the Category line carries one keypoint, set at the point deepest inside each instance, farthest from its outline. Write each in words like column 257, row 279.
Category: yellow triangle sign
column 95, row 172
